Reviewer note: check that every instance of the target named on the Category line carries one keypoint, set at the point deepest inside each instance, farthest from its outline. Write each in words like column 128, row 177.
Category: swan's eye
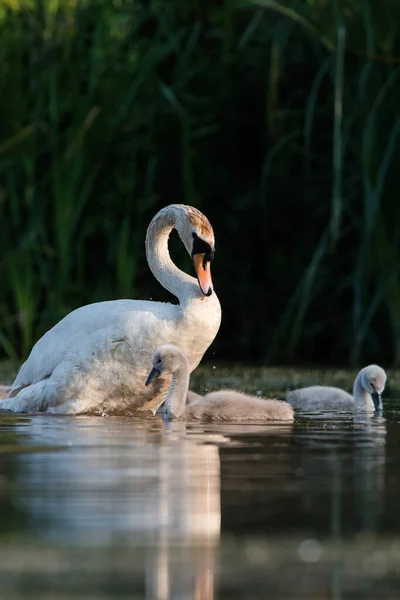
column 159, row 361
column 202, row 247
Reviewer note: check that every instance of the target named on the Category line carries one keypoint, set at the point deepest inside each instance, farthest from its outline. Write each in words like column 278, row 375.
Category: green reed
column 365, row 144
column 279, row 119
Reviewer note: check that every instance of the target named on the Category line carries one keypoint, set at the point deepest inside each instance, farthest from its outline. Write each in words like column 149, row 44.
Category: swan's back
column 230, row 405
column 106, row 320
column 320, row 396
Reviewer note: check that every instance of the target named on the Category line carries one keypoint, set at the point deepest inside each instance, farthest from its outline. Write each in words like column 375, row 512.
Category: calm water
column 104, row 508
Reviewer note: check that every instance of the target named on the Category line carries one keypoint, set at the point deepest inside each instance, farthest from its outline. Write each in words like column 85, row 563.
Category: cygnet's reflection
column 370, row 469
column 121, row 484
column 353, row 451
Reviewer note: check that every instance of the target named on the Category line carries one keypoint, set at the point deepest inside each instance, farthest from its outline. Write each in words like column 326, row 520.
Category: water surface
column 131, row 508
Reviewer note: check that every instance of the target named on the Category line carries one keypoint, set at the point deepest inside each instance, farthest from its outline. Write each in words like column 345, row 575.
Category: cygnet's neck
column 361, row 397
column 176, row 397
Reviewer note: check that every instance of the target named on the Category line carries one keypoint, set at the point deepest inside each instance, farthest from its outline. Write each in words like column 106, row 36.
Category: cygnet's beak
column 203, row 272
column 154, row 373
column 377, row 399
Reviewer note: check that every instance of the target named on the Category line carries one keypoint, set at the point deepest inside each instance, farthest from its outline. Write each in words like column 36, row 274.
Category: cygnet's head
column 373, row 380
column 167, row 360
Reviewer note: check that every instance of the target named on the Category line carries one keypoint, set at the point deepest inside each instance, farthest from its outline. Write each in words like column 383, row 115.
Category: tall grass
column 279, row 119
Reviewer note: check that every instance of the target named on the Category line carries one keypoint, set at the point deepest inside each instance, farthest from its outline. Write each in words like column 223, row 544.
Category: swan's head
column 167, row 360
column 373, row 380
column 197, row 235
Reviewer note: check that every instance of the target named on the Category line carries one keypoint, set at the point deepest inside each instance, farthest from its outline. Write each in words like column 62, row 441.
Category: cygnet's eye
column 372, row 385
column 159, row 361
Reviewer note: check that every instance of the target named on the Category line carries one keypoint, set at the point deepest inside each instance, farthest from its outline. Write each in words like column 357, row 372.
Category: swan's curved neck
column 164, row 270
column 177, row 393
column 361, row 396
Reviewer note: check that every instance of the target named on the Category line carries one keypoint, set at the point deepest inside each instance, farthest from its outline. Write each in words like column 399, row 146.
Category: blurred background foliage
column 279, row 119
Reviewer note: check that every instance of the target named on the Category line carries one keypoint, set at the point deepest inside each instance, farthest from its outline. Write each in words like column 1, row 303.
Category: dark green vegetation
column 280, row 120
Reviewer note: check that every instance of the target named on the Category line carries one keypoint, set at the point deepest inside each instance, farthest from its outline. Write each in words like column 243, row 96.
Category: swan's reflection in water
column 181, row 559
column 151, row 489
column 143, row 501
column 130, row 486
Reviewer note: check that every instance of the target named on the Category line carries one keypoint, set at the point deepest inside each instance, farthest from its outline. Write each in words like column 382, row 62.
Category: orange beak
column 203, row 273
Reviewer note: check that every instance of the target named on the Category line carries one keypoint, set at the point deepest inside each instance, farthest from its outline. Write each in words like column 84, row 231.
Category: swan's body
column 368, row 387
column 96, row 358
column 224, row 405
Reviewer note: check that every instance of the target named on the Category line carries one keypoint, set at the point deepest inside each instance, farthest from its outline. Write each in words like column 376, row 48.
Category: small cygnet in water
column 368, row 387
column 224, row 405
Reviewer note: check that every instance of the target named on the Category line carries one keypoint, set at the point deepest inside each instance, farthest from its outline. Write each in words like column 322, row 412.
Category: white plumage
column 96, row 358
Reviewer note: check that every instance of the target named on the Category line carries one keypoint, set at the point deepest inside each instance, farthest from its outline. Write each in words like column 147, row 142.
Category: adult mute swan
column 96, row 358
column 368, row 387
column 224, row 405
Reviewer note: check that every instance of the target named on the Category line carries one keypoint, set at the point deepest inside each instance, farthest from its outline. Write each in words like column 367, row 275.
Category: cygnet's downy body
column 367, row 393
column 224, row 405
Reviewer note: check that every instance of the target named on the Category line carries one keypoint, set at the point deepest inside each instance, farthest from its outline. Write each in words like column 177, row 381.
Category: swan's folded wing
column 71, row 334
